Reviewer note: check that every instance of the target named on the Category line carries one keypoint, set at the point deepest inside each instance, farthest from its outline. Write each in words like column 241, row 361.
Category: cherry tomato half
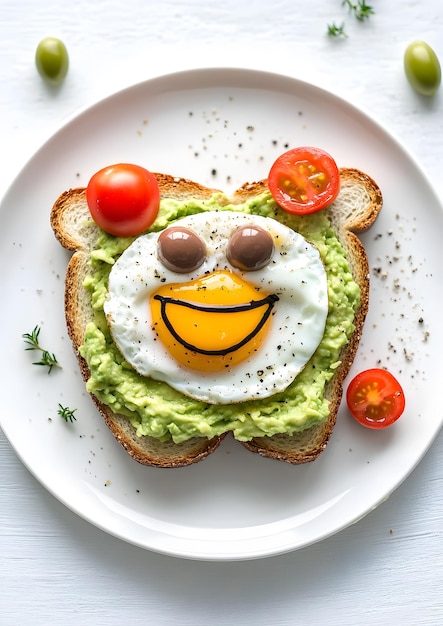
column 123, row 199
column 304, row 180
column 375, row 398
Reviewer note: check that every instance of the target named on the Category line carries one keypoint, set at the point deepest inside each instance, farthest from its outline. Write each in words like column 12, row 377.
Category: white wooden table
column 56, row 568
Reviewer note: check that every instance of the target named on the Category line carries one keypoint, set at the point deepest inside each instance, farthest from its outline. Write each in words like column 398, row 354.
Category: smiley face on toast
column 224, row 307
column 228, row 314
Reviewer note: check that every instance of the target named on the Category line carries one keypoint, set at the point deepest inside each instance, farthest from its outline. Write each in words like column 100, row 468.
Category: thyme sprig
column 360, row 10
column 66, row 413
column 48, row 359
column 335, row 30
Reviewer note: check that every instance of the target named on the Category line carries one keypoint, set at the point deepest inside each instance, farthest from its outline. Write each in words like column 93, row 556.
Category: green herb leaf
column 48, row 359
column 31, row 339
column 360, row 10
column 66, row 413
column 336, row 31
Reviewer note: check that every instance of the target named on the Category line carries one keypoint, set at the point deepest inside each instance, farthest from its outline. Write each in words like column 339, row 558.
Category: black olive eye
column 250, row 248
column 180, row 249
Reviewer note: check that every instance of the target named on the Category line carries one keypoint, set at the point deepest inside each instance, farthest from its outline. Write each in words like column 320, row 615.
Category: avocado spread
column 157, row 410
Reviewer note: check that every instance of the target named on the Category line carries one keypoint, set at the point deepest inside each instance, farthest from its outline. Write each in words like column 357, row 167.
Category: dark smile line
column 235, row 308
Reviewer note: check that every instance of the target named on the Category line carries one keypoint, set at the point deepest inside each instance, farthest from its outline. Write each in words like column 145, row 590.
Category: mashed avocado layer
column 157, row 410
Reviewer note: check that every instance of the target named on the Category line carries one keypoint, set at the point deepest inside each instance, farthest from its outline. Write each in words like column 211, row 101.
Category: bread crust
column 355, row 210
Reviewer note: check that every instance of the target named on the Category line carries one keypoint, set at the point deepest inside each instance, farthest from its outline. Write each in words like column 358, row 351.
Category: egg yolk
column 211, row 323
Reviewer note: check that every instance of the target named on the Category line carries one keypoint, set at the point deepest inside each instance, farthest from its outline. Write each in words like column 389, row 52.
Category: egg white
column 295, row 274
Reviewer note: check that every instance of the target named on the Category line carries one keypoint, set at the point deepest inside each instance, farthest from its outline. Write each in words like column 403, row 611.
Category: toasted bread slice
column 355, row 209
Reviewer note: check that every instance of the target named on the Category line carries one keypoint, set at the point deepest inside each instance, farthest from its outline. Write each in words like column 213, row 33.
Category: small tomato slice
column 375, row 398
column 304, row 180
column 123, row 199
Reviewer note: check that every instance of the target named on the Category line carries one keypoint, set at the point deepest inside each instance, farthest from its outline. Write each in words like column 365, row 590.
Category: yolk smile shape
column 213, row 322
column 266, row 302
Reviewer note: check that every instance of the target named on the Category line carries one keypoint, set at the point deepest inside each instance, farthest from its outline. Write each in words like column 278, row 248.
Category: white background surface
column 56, row 568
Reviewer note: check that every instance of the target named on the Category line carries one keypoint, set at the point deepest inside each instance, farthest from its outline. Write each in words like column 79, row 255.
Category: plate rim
column 182, row 73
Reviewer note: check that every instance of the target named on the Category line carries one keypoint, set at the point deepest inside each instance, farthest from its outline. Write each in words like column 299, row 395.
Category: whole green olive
column 422, row 68
column 52, row 60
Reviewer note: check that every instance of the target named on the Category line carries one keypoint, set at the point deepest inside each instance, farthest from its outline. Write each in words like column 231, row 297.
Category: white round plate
column 221, row 127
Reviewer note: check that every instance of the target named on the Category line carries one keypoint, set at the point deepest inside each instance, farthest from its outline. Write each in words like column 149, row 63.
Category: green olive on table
column 422, row 68
column 51, row 59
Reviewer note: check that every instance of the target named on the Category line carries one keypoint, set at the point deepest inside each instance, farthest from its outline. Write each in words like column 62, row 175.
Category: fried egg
column 222, row 306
